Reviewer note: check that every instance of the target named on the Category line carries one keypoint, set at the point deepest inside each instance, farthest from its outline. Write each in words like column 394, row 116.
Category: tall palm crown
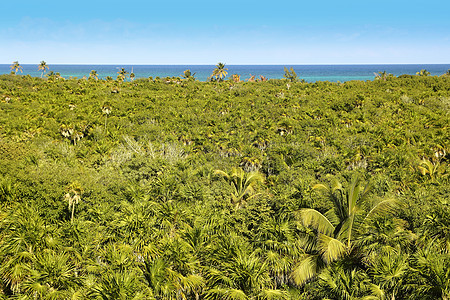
column 188, row 75
column 423, row 72
column 43, row 67
column 93, row 74
column 122, row 74
column 16, row 67
column 220, row 71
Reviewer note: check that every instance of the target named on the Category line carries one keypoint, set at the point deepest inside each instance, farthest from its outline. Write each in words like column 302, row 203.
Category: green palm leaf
column 330, row 248
column 312, row 218
column 226, row 294
column 274, row 294
column 306, row 269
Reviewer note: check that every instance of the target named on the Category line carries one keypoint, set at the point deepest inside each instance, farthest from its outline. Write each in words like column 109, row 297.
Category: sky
column 229, row 31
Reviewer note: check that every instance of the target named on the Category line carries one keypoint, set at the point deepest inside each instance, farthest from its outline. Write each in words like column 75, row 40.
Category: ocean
column 309, row 73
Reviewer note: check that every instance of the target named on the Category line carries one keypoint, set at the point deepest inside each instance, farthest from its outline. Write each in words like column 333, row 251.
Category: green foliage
column 220, row 72
column 188, row 75
column 180, row 189
column 290, row 75
column 243, row 184
column 16, row 67
column 423, row 72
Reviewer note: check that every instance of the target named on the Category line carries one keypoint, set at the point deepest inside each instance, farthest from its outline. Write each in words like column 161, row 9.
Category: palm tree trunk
column 73, row 211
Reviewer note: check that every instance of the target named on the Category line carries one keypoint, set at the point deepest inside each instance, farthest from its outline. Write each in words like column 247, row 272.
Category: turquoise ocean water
column 310, row 73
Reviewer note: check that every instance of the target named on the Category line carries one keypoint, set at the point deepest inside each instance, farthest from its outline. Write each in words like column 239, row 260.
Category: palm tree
column 8, row 190
column 240, row 274
column 431, row 168
column 93, row 75
column 431, row 275
column 281, row 248
column 106, row 110
column 166, row 283
column 23, row 233
column 243, row 184
column 423, row 72
column 338, row 227
column 16, row 67
column 43, row 67
column 339, row 283
column 52, row 275
column 220, row 72
column 389, row 270
column 122, row 75
column 188, row 75
column 236, row 78
column 290, row 75
column 117, row 284
column 73, row 196
column 263, row 78
column 382, row 75
column 132, row 75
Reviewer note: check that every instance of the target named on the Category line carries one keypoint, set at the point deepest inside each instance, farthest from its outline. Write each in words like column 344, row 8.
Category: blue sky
column 230, row 31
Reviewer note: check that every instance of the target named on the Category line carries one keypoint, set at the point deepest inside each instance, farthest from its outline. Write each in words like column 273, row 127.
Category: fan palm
column 8, row 190
column 51, row 273
column 336, row 229
column 23, row 233
column 242, row 276
column 389, row 269
column 339, row 283
column 281, row 248
column 120, row 285
column 431, row 269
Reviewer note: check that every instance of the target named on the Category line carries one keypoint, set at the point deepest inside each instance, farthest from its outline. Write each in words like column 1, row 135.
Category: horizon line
column 231, row 64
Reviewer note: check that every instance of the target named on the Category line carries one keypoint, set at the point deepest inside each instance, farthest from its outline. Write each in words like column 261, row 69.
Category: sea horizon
column 307, row 72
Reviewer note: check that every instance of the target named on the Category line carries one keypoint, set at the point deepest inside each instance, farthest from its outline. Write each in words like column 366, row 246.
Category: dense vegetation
column 179, row 189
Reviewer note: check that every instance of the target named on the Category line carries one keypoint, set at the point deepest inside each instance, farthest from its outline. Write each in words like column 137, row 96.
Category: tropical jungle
column 172, row 188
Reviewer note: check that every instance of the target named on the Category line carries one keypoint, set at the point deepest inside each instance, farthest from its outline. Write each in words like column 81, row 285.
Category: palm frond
column 192, row 282
column 221, row 173
column 273, row 294
column 335, row 185
column 313, row 218
column 384, row 207
column 330, row 248
column 320, row 186
column 305, row 270
column 226, row 294
column 377, row 293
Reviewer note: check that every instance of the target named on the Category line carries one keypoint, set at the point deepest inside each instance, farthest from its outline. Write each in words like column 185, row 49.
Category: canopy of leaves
column 180, row 189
